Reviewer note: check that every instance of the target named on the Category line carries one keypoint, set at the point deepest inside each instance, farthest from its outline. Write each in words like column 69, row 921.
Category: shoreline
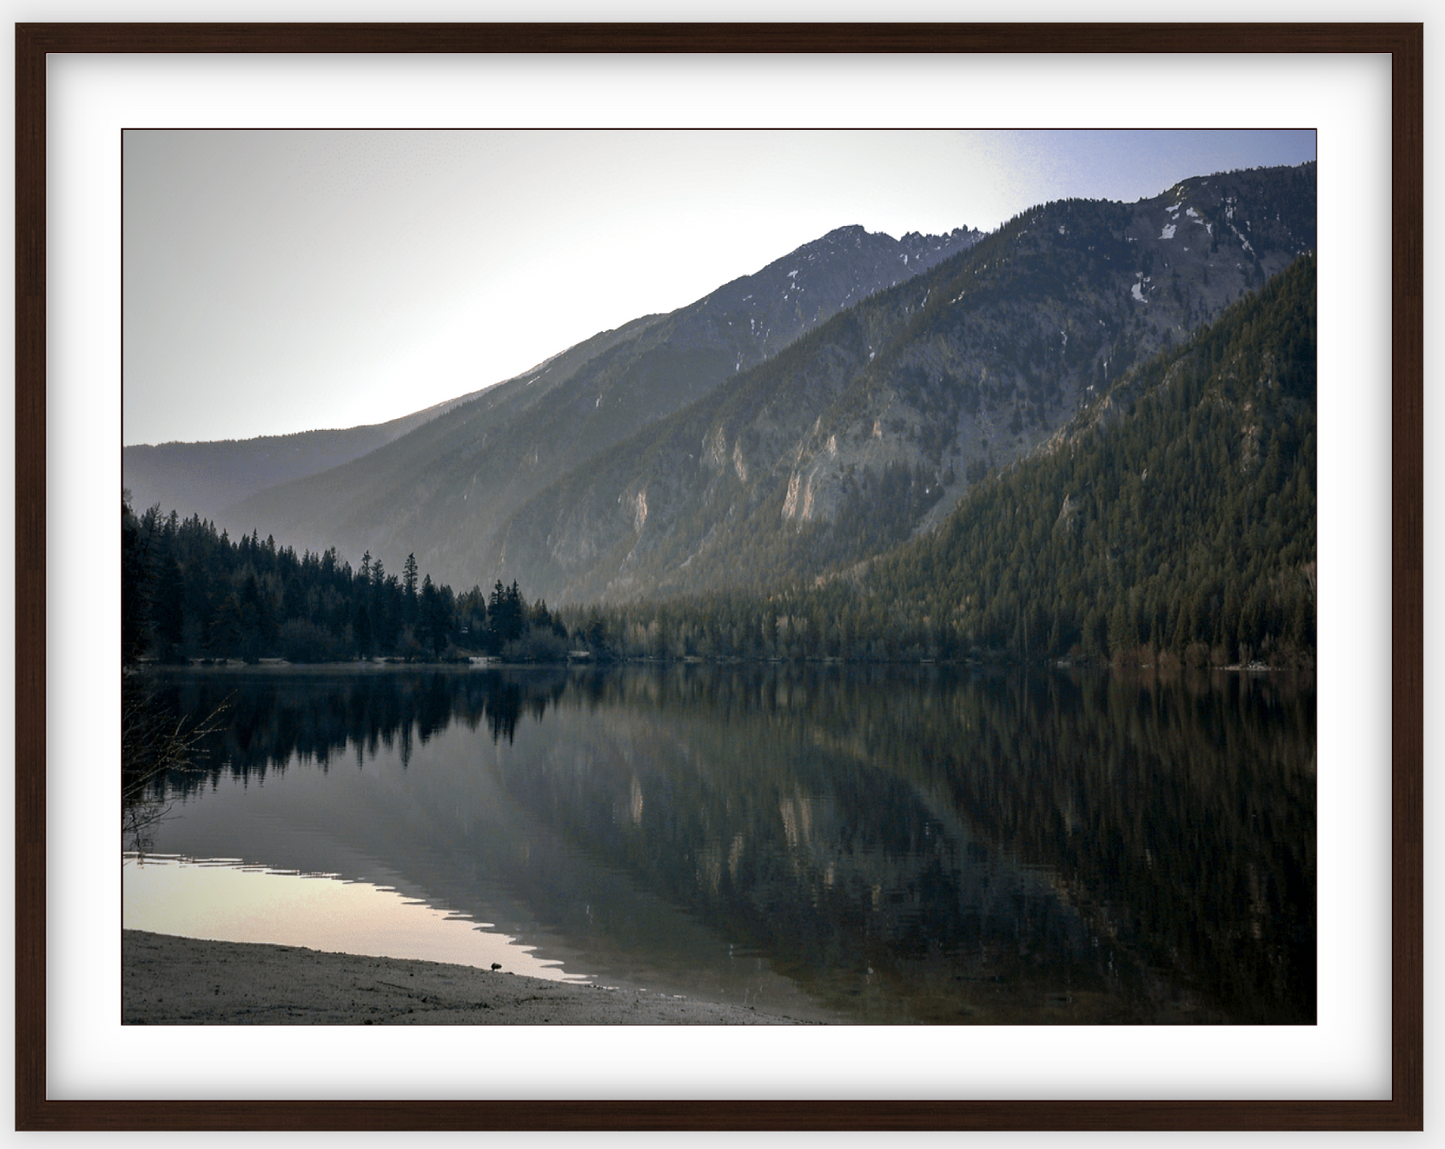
column 170, row 980
column 377, row 665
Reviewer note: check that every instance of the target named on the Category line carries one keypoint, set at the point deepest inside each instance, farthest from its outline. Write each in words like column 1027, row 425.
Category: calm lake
column 880, row 845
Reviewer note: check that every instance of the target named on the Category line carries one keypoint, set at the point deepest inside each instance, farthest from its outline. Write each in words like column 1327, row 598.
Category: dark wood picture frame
column 1403, row 1110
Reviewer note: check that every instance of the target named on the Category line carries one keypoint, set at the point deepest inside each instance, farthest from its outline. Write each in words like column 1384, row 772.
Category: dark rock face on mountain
column 870, row 427
column 443, row 491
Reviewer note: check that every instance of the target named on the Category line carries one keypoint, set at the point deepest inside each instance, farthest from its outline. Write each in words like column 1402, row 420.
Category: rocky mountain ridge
column 442, row 491
column 872, row 426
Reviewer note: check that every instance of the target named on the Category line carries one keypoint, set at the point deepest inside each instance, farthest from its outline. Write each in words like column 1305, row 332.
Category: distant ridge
column 204, row 478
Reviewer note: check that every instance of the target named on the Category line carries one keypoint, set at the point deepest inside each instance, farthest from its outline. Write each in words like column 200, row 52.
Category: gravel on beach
column 170, row 980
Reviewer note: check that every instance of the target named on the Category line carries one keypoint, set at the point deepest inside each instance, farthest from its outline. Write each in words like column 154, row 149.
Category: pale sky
column 279, row 281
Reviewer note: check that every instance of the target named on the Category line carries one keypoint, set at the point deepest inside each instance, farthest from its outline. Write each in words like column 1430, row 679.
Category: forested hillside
column 1173, row 520
column 1177, row 516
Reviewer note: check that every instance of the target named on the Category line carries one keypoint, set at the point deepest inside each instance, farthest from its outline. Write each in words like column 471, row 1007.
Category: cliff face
column 870, row 427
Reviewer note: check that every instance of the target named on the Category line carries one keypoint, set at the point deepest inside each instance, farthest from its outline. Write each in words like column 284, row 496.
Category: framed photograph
column 1356, row 1066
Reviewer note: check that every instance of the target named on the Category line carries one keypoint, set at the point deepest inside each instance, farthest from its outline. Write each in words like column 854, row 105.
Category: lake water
column 885, row 845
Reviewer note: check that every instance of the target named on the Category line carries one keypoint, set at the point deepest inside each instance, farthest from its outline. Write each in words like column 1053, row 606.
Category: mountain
column 1171, row 522
column 805, row 419
column 871, row 427
column 206, row 478
column 442, row 490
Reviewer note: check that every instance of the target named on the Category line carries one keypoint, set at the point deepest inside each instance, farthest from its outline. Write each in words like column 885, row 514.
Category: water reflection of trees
column 1148, row 843
column 1084, row 846
column 157, row 742
column 1178, row 818
column 325, row 718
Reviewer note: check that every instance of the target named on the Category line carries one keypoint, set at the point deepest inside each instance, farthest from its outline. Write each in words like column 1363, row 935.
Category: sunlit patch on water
column 223, row 900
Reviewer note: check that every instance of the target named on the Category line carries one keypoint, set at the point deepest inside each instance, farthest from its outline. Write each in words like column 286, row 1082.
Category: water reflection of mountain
column 908, row 845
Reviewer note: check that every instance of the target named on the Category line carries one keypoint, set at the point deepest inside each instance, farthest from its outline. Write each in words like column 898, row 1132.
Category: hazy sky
column 279, row 281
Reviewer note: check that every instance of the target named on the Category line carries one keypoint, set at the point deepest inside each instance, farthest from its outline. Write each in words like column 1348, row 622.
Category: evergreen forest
column 192, row 594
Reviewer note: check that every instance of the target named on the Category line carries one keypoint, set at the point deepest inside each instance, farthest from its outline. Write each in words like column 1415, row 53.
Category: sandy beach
column 185, row 981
